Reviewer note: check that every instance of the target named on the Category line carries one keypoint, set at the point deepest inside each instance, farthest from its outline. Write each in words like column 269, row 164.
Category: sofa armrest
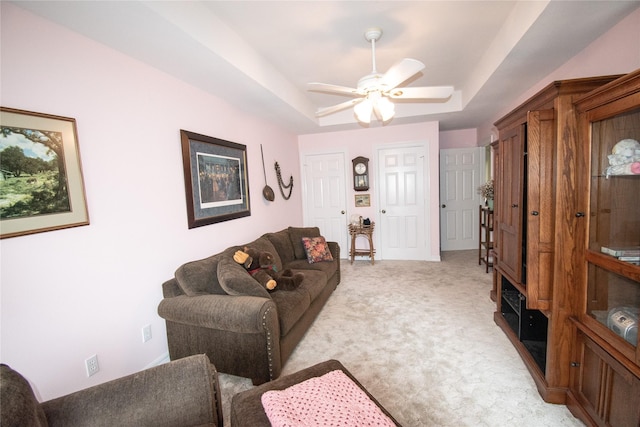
column 334, row 247
column 243, row 314
column 183, row 392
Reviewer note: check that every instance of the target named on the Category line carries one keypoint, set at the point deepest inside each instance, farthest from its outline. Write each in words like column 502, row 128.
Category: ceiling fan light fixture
column 375, row 91
column 363, row 110
column 375, row 103
column 386, row 108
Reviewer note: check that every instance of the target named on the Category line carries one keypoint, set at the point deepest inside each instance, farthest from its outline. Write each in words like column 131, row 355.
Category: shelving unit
column 605, row 379
column 569, row 308
column 535, row 231
column 529, row 326
column 485, row 233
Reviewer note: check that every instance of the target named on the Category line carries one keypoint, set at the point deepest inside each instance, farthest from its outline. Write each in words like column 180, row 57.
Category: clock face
column 360, row 168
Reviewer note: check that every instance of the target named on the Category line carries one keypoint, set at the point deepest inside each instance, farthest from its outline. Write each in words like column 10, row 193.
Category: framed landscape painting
column 216, row 179
column 41, row 184
column 363, row 200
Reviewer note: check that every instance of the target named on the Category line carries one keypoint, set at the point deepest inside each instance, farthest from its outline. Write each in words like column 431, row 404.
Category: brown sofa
column 180, row 393
column 214, row 306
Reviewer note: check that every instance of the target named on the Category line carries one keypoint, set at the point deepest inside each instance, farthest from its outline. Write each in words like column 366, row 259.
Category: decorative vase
column 490, row 203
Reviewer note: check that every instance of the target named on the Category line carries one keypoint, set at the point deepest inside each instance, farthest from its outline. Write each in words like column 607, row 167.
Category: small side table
column 366, row 231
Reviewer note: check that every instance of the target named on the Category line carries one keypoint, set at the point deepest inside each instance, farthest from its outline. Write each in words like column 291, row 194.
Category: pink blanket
column 332, row 399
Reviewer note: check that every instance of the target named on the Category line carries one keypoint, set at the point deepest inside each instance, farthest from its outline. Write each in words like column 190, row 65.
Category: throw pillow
column 296, row 234
column 317, row 249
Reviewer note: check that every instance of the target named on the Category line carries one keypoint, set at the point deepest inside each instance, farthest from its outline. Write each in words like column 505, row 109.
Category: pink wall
column 72, row 293
column 615, row 52
column 69, row 294
column 365, row 142
column 463, row 138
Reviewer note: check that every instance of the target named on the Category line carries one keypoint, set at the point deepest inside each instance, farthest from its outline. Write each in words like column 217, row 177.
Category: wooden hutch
column 535, row 231
column 555, row 209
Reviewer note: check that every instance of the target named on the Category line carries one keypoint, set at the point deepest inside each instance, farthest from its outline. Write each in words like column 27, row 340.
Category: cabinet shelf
column 623, row 268
column 529, row 326
column 626, row 175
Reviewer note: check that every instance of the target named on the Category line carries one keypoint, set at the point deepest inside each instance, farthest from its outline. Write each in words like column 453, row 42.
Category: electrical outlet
column 146, row 333
column 92, row 365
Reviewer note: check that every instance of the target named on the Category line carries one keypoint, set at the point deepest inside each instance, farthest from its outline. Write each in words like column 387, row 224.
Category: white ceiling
column 259, row 55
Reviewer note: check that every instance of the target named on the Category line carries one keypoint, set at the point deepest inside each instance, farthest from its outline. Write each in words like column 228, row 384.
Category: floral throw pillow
column 317, row 249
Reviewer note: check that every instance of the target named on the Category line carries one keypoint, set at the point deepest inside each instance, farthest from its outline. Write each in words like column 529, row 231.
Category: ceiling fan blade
column 335, row 108
column 401, row 71
column 427, row 92
column 325, row 87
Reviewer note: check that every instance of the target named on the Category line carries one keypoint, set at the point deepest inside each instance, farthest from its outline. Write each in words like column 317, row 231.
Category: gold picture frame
column 41, row 183
column 363, row 200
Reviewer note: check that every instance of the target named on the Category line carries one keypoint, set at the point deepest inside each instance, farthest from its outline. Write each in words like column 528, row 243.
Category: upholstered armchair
column 183, row 392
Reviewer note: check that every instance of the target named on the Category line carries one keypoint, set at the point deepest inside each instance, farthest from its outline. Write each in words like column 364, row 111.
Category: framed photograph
column 363, row 200
column 41, row 184
column 216, row 179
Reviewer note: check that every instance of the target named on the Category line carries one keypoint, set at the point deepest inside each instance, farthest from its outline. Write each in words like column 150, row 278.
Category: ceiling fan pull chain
column 282, row 185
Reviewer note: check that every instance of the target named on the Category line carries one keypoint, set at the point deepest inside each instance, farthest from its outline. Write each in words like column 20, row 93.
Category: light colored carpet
column 420, row 337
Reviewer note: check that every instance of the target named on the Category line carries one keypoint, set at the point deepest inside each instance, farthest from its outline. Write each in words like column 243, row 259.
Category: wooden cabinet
column 605, row 380
column 603, row 391
column 508, row 201
column 535, row 205
column 485, row 235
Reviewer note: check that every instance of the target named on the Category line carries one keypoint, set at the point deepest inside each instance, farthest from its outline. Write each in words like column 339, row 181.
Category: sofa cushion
column 199, row 277
column 19, row 405
column 296, row 234
column 235, row 280
column 291, row 306
column 316, row 249
column 329, row 268
column 314, row 282
column 282, row 243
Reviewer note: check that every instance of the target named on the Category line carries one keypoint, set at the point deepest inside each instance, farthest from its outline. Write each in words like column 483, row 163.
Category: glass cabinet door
column 613, row 255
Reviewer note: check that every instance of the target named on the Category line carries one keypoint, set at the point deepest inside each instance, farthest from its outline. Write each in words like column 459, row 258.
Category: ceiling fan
column 374, row 91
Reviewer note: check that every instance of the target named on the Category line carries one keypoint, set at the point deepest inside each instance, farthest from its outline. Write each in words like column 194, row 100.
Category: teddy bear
column 261, row 266
column 624, row 158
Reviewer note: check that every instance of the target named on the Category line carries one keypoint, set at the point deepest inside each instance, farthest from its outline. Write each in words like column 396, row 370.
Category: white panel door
column 402, row 203
column 325, row 196
column 461, row 172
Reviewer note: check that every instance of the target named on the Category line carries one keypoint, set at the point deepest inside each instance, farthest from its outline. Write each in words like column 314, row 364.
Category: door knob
column 579, row 214
column 534, row 213
column 444, row 206
column 514, row 206
column 342, row 212
column 383, row 211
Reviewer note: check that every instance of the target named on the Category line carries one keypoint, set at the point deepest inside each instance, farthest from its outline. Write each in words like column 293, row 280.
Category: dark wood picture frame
column 41, row 182
column 216, row 179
